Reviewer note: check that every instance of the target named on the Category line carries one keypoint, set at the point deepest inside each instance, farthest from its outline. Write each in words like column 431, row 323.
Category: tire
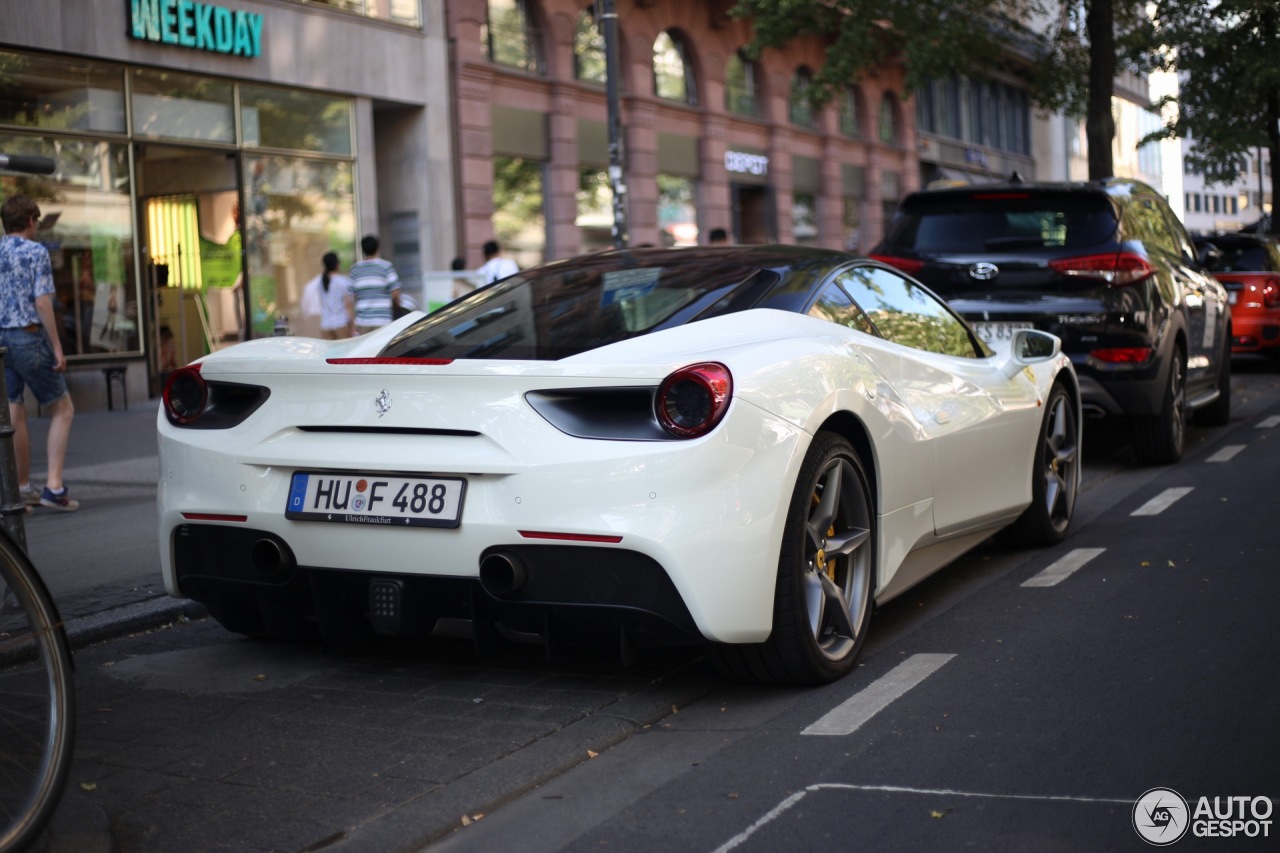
column 1160, row 439
column 37, row 703
column 823, row 596
column 1218, row 413
column 1055, row 476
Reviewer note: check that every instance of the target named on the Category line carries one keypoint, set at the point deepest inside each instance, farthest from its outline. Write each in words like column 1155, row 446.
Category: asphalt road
column 985, row 714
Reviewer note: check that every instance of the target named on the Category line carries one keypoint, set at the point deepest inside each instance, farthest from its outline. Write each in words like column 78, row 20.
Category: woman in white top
column 326, row 295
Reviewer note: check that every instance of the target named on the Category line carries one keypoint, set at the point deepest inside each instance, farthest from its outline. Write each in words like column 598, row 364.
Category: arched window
column 851, row 112
column 511, row 36
column 887, row 122
column 588, row 49
column 740, row 86
column 673, row 77
column 801, row 108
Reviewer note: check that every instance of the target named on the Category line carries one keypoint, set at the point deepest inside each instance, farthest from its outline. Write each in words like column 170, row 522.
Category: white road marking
column 790, row 801
column 1163, row 501
column 1268, row 423
column 1063, row 568
column 1225, row 454
column 846, row 717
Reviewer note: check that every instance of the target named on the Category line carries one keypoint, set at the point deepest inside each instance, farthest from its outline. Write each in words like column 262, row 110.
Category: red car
column 1248, row 265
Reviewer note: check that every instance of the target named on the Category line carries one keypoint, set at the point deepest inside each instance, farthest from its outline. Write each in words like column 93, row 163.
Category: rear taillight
column 1122, row 355
column 910, row 266
column 1118, row 268
column 1271, row 292
column 185, row 395
column 693, row 400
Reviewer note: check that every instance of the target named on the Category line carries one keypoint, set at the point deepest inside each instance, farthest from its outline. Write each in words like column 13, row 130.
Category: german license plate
column 376, row 499
column 998, row 332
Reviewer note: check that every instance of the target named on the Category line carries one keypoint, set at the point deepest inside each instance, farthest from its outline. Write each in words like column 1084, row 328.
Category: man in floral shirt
column 34, row 358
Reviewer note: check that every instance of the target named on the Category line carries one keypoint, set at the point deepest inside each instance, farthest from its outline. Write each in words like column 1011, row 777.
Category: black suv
column 1104, row 265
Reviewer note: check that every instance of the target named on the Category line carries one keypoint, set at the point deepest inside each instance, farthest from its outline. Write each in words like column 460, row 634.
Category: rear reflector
column 568, row 537
column 1123, row 355
column 209, row 516
column 422, row 361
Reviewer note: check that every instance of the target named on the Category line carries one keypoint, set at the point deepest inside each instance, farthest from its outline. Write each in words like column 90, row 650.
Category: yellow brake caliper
column 821, row 557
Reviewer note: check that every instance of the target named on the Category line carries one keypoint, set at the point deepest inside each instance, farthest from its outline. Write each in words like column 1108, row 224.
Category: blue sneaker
column 58, row 500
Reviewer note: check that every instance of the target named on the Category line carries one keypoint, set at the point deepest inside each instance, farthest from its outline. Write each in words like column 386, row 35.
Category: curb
column 141, row 616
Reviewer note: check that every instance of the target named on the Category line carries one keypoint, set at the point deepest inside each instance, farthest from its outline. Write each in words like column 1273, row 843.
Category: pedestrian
column 374, row 289
column 717, row 237
column 326, row 296
column 495, row 265
column 462, row 284
column 34, row 357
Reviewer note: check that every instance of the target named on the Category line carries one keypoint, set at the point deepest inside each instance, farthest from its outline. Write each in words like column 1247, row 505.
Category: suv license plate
column 376, row 499
column 996, row 333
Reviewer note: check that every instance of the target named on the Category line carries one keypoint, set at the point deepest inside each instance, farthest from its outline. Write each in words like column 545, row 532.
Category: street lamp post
column 608, row 19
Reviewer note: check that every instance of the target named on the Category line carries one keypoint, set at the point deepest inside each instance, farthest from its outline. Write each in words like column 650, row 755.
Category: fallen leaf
column 466, row 820
column 109, row 663
column 937, row 815
column 259, row 677
column 732, row 795
column 1172, row 564
column 591, row 753
column 1145, row 563
column 675, row 710
column 88, row 786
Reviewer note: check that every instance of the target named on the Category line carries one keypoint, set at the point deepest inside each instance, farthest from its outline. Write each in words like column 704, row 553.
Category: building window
column 289, row 118
column 519, row 217
column 399, row 11
column 804, row 219
column 851, row 112
column 887, row 121
column 59, row 94
column 511, row 36
column 677, row 210
column 595, row 210
column 801, row 108
column 740, row 86
column 925, row 118
column 588, row 50
column 182, row 106
column 672, row 75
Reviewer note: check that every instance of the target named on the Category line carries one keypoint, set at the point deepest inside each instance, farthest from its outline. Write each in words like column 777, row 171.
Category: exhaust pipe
column 502, row 573
column 271, row 558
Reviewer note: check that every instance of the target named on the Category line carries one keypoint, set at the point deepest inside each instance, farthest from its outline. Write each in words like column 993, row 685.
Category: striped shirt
column 373, row 284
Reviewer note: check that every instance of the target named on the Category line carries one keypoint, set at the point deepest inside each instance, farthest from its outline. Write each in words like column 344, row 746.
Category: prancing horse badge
column 383, row 402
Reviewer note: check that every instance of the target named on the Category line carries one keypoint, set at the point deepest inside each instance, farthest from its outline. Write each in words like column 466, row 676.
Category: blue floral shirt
column 25, row 273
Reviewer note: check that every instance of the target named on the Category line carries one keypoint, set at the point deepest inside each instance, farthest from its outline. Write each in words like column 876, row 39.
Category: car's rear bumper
column 1118, row 393
column 1255, row 334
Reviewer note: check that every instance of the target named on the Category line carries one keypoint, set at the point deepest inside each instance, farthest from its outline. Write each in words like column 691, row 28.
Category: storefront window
column 511, row 36
column 804, row 219
column 801, row 108
column 740, row 86
column 87, row 226
column 182, row 106
column 398, row 11
column 672, row 75
column 296, row 120
column 297, row 209
column 677, row 212
column 519, row 217
column 60, row 94
column 588, row 50
column 595, row 210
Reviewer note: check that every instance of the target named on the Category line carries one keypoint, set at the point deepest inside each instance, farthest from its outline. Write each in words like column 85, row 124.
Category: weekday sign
column 202, row 26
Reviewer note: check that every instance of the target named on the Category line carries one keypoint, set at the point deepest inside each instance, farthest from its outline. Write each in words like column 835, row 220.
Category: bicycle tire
column 37, row 703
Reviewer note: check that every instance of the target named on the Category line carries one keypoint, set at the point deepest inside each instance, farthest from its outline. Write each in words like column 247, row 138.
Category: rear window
column 561, row 310
column 1241, row 256
column 994, row 221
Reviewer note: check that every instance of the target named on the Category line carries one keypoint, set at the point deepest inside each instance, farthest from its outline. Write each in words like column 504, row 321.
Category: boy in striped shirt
column 374, row 290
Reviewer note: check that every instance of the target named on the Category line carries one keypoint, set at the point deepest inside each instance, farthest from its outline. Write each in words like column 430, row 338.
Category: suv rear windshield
column 559, row 311
column 996, row 220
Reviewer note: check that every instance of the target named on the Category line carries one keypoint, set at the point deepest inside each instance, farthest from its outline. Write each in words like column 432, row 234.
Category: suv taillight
column 1118, row 268
column 910, row 266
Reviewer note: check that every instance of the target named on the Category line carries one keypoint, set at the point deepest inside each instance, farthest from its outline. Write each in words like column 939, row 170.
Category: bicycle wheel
column 37, row 703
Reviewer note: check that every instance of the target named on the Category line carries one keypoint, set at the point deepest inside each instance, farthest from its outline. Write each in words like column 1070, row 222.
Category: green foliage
column 1229, row 89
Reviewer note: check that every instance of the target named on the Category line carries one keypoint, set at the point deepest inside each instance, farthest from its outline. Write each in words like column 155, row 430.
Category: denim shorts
column 29, row 364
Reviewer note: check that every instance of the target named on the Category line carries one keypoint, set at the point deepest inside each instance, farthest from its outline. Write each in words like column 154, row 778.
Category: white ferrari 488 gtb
column 742, row 447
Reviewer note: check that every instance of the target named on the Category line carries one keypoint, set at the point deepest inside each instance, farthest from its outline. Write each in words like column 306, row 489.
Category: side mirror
column 1030, row 346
